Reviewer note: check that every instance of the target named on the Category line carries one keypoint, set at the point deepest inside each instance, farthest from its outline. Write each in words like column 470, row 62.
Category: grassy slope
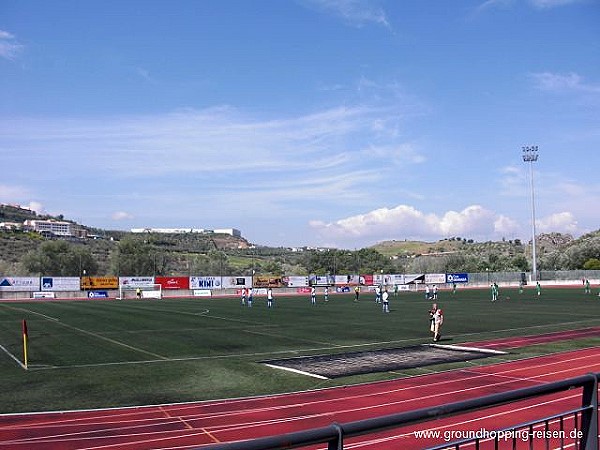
column 396, row 248
column 100, row 354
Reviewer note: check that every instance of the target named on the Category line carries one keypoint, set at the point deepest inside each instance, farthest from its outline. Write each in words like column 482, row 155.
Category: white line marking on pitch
column 301, row 372
column 90, row 333
column 13, row 357
column 29, row 311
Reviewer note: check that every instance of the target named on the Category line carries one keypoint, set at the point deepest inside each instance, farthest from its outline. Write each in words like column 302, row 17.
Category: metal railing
column 585, row 417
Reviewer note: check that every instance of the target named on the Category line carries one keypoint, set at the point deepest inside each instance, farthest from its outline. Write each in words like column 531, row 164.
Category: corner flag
column 25, row 336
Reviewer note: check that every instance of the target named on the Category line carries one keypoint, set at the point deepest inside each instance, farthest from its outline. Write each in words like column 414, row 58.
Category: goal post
column 145, row 291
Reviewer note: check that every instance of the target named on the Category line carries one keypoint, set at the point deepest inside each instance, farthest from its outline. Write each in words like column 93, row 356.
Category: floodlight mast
column 530, row 155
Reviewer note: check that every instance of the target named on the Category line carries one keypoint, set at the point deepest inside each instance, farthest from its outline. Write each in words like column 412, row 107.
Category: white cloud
column 210, row 145
column 472, row 220
column 563, row 222
column 492, row 4
column 505, row 226
column 144, row 74
column 9, row 48
column 330, row 158
column 353, row 12
column 545, row 4
column 397, row 155
column 555, row 82
column 538, row 4
column 513, row 181
column 37, row 207
column 121, row 215
column 406, row 222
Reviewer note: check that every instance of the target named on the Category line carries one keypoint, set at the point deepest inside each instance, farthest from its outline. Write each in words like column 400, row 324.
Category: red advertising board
column 366, row 280
column 173, row 282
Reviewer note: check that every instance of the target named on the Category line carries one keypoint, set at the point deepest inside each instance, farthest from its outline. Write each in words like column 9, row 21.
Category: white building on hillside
column 55, row 227
column 230, row 231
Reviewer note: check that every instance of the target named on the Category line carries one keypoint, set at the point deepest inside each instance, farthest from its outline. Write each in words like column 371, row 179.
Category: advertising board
column 230, row 282
column 213, row 282
column 342, row 280
column 414, row 278
column 393, row 279
column 62, row 284
column 321, row 280
column 134, row 282
column 20, row 284
column 266, row 282
column 457, row 278
column 202, row 293
column 97, row 294
column 367, row 280
column 46, row 294
column 353, row 280
column 88, row 283
column 342, row 289
column 435, row 278
column 173, row 282
column 295, row 281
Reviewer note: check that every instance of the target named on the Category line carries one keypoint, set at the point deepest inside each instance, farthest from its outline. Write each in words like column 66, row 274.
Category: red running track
column 183, row 426
column 524, row 341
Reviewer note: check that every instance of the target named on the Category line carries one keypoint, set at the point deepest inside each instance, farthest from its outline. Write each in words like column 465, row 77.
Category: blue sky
column 307, row 122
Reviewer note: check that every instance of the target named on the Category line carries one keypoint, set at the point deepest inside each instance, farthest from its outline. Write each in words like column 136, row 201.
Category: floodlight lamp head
column 530, row 153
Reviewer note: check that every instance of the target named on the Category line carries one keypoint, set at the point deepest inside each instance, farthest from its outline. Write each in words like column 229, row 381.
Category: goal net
column 148, row 291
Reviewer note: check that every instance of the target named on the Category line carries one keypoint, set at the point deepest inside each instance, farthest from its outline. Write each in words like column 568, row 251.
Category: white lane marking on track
column 232, row 427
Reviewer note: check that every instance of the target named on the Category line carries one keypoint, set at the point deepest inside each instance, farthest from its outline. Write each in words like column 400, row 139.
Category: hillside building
column 55, row 228
column 230, row 231
column 11, row 226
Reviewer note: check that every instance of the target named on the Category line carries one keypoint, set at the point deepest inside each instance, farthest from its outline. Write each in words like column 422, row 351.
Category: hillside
column 413, row 248
column 555, row 251
column 15, row 213
column 14, row 245
column 186, row 253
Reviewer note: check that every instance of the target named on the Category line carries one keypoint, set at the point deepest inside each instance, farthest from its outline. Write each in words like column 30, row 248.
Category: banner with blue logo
column 64, row 284
column 457, row 278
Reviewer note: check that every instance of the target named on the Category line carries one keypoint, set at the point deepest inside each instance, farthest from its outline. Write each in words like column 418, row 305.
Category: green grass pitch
column 91, row 354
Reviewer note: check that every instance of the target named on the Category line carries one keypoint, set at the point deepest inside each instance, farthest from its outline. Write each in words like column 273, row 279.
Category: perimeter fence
column 550, row 431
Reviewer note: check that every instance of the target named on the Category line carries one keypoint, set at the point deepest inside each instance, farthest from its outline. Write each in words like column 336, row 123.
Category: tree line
column 132, row 256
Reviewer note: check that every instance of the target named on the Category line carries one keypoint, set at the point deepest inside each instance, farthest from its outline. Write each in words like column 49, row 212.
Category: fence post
column 337, row 443
column 589, row 417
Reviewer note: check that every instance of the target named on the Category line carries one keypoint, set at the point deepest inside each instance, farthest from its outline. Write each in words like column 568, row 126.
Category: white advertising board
column 230, row 282
column 435, row 278
column 342, row 280
column 202, row 293
column 321, row 280
column 296, row 281
column 44, row 295
column 20, row 284
column 393, row 279
column 415, row 278
column 135, row 282
column 60, row 284
column 208, row 282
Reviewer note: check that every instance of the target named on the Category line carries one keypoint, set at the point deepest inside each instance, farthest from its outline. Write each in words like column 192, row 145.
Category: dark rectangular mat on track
column 355, row 363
